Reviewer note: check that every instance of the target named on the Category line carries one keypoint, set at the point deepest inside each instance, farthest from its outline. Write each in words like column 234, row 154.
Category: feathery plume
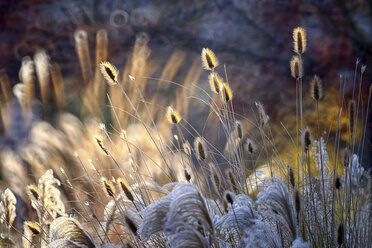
column 42, row 67
column 214, row 82
column 299, row 38
column 226, row 93
column 352, row 116
column 109, row 72
column 173, row 116
column 316, row 88
column 33, row 192
column 296, row 67
column 209, row 60
column 306, row 139
column 82, row 50
column 200, row 148
column 108, row 187
column 125, row 189
column 7, row 208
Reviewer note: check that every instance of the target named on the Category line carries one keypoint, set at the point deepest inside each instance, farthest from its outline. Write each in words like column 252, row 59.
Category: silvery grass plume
column 8, row 204
column 184, row 205
column 275, row 203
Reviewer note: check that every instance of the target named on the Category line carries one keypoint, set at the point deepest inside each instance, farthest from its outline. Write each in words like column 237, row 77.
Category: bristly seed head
column 296, row 67
column 299, row 38
column 33, row 227
column 108, row 187
column 226, row 93
column 100, row 144
column 200, row 148
column 316, row 88
column 132, row 226
column 264, row 118
column 187, row 148
column 214, row 82
column 173, row 116
column 306, row 139
column 297, row 201
column 239, row 129
column 109, row 72
column 187, row 175
column 345, row 157
column 216, row 178
column 125, row 189
column 209, row 60
column 229, row 197
column 250, row 146
column 231, row 177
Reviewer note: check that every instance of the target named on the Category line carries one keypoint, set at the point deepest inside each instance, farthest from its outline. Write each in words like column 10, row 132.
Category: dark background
column 253, row 38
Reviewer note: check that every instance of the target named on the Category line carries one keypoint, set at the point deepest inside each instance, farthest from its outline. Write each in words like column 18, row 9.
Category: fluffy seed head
column 214, row 82
column 33, row 192
column 209, row 60
column 132, row 226
column 296, row 67
column 109, row 72
column 200, row 148
column 345, row 157
column 108, row 187
column 173, row 116
column 306, row 139
column 316, row 88
column 299, row 38
column 100, row 144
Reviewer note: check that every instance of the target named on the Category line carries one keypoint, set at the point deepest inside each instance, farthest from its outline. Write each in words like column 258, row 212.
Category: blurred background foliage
column 253, row 38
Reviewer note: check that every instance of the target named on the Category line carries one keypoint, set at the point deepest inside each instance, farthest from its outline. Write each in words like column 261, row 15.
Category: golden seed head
column 100, row 144
column 187, row 175
column 232, row 180
column 316, row 88
column 214, row 82
column 125, row 189
column 173, row 116
column 226, row 93
column 299, row 38
column 109, row 72
column 209, row 59
column 296, row 67
column 33, row 227
column 108, row 187
column 33, row 192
